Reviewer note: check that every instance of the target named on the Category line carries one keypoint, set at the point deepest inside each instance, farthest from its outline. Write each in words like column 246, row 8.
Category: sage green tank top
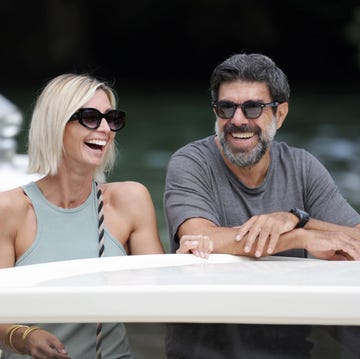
column 64, row 234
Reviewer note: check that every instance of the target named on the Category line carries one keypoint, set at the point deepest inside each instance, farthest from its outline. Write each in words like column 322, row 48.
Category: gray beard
column 247, row 158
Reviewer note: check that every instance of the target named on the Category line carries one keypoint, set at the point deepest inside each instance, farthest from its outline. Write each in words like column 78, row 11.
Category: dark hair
column 250, row 68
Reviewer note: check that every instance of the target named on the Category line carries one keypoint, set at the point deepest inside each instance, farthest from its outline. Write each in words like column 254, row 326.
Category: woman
column 71, row 143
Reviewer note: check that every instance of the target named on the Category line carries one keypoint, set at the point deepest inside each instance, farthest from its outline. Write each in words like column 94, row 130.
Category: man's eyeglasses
column 251, row 109
column 91, row 118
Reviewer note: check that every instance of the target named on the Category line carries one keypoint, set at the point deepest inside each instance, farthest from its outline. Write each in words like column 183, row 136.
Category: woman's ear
column 281, row 113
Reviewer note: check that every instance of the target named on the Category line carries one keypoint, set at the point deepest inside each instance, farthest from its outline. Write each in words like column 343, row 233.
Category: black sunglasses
column 91, row 118
column 251, row 109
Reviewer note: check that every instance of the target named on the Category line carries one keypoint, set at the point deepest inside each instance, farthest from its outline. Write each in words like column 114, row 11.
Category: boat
column 154, row 288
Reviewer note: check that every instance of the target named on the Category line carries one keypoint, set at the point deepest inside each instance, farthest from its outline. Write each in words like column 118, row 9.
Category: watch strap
column 302, row 215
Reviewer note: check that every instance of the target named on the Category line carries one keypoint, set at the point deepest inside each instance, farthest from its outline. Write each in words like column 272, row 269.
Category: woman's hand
column 199, row 245
column 41, row 344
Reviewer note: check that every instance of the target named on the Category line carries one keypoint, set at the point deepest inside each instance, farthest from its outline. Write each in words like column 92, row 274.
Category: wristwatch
column 302, row 215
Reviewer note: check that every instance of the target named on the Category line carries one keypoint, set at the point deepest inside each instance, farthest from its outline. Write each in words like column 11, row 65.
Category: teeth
column 243, row 135
column 97, row 142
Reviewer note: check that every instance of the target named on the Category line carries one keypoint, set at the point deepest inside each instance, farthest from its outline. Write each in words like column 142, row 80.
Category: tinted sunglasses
column 91, row 118
column 251, row 109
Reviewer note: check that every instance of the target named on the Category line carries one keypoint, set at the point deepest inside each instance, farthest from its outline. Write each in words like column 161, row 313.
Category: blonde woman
column 71, row 143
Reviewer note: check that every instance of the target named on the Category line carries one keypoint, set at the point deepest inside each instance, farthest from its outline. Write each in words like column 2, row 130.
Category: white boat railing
column 183, row 288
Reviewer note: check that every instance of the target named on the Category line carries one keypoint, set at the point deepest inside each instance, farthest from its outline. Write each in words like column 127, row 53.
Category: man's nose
column 239, row 118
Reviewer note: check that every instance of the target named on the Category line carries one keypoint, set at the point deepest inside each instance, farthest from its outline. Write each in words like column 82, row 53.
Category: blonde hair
column 62, row 97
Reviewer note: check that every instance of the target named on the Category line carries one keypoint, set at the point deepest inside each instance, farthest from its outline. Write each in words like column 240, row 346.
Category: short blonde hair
column 59, row 100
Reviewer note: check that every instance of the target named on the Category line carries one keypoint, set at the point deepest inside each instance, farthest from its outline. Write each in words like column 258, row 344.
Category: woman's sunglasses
column 91, row 118
column 251, row 109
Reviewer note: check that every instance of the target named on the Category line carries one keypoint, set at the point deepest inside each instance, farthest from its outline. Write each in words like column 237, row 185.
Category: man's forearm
column 224, row 238
column 315, row 224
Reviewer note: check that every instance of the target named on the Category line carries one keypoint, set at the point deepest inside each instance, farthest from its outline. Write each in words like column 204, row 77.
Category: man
column 253, row 196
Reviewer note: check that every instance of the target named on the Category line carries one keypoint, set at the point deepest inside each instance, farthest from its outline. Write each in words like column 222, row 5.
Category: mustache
column 229, row 127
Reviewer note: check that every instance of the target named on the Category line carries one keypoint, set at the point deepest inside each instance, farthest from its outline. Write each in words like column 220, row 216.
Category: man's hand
column 332, row 245
column 199, row 245
column 265, row 230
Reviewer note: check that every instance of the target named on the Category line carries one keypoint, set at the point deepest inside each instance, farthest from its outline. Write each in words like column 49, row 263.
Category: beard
column 241, row 157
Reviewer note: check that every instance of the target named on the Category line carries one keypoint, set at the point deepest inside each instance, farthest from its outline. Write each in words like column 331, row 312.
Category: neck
column 65, row 191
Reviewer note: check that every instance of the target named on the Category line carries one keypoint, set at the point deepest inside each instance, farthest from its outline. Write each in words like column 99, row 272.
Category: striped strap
column 99, row 334
column 101, row 220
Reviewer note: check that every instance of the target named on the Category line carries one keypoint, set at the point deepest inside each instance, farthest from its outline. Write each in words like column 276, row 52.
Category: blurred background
column 160, row 54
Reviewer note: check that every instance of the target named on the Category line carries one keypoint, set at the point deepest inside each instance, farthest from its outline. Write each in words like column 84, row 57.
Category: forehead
column 99, row 100
column 240, row 91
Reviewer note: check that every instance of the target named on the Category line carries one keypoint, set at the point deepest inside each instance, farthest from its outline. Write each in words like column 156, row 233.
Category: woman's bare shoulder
column 13, row 200
column 14, row 205
column 127, row 190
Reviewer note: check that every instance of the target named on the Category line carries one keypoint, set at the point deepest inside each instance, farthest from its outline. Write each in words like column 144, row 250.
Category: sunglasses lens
column 252, row 110
column 91, row 119
column 225, row 109
column 116, row 120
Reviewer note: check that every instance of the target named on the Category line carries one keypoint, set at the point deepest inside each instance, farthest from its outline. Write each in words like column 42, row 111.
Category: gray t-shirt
column 199, row 184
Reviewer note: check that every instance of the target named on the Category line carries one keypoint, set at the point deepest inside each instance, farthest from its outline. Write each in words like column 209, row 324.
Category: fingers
column 344, row 246
column 348, row 249
column 274, row 237
column 333, row 245
column 199, row 245
column 244, row 229
column 42, row 344
column 261, row 233
column 256, row 231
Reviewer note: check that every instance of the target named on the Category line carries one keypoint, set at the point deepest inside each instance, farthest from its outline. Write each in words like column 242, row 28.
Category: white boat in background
column 183, row 288
column 13, row 166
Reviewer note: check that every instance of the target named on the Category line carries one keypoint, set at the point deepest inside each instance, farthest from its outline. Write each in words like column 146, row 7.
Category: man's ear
column 281, row 113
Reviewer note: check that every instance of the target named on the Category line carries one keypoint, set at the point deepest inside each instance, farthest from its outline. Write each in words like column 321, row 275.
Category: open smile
column 96, row 144
column 242, row 135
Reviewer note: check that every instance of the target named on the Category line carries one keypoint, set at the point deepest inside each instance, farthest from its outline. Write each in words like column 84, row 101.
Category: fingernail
column 247, row 249
column 257, row 254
